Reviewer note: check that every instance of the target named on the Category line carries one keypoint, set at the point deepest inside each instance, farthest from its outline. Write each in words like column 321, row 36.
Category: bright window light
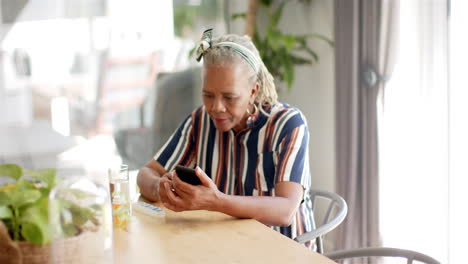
column 414, row 135
column 60, row 115
column 458, row 181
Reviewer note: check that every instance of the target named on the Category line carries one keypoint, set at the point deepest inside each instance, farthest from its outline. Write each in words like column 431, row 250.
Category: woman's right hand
column 165, row 185
column 149, row 180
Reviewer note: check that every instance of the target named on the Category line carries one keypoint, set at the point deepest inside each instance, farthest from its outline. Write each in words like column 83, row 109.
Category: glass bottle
column 120, row 196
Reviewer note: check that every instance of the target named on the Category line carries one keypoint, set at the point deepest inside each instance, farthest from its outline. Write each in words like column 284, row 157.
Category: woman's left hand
column 192, row 197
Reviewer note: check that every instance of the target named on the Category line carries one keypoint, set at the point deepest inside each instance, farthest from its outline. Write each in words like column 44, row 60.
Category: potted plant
column 25, row 230
column 280, row 51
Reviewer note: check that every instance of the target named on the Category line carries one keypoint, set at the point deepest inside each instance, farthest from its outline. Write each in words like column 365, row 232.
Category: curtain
column 458, row 131
column 414, row 137
column 365, row 44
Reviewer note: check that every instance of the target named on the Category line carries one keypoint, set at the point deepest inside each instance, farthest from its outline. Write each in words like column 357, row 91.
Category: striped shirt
column 249, row 162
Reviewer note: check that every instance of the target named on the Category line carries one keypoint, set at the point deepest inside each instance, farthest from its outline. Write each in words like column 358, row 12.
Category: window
column 423, row 132
column 80, row 79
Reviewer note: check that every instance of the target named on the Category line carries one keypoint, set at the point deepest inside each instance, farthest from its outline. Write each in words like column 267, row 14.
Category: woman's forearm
column 278, row 210
column 148, row 182
column 273, row 211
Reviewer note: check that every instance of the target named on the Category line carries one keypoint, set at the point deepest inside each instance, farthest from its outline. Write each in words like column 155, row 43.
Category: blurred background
column 91, row 83
column 76, row 74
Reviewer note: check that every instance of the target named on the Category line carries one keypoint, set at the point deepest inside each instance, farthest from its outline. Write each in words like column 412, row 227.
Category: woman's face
column 227, row 93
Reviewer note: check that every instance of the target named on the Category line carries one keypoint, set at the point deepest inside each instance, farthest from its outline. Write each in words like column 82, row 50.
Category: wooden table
column 206, row 237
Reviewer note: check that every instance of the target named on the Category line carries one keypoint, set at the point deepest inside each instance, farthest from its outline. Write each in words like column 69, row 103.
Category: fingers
column 173, row 207
column 172, row 197
column 181, row 186
column 169, row 175
column 166, row 192
column 163, row 188
column 186, row 196
column 162, row 192
column 206, row 181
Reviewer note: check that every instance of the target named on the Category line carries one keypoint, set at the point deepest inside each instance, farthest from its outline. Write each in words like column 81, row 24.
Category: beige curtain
column 365, row 45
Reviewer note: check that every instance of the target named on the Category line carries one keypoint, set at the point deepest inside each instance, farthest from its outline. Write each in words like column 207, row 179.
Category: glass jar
column 80, row 221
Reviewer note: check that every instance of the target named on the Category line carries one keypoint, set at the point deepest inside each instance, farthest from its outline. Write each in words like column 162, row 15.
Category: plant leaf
column 48, row 177
column 69, row 230
column 299, row 61
column 273, row 37
column 238, row 15
column 11, row 170
column 35, row 223
column 32, row 232
column 289, row 42
column 258, row 43
column 277, row 49
column 80, row 194
column 312, row 53
column 5, row 212
column 321, row 37
column 24, row 185
column 5, row 198
column 288, row 73
column 25, row 197
column 95, row 220
column 276, row 16
column 96, row 207
column 80, row 215
column 266, row 3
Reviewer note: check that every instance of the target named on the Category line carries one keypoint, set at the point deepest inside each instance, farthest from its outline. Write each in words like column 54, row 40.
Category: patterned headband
column 246, row 54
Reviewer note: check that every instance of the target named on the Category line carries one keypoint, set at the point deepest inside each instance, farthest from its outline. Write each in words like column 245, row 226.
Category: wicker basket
column 31, row 253
column 85, row 248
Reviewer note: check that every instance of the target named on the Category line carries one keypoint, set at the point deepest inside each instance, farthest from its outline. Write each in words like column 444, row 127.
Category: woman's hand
column 165, row 186
column 276, row 210
column 192, row 197
column 148, row 180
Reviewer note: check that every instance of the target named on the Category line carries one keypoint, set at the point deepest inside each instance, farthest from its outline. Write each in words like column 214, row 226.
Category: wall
column 314, row 87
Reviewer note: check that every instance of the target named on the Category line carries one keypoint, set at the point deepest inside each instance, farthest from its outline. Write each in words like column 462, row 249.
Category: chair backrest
column 174, row 96
column 381, row 252
column 335, row 204
column 178, row 94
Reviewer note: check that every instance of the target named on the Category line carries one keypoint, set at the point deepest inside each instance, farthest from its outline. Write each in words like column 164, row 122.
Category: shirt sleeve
column 293, row 153
column 180, row 147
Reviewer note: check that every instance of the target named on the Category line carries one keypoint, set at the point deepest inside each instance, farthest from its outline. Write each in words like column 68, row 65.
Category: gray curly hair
column 224, row 56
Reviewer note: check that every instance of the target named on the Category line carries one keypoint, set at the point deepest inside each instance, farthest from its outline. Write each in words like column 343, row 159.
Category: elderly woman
column 249, row 150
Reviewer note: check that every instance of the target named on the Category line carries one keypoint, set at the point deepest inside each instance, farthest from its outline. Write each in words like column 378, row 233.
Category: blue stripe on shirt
column 172, row 144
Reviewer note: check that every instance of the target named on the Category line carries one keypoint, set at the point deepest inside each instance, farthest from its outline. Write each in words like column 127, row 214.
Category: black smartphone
column 187, row 175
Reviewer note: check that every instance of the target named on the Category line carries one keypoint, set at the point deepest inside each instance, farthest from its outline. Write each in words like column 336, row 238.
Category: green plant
column 187, row 15
column 281, row 51
column 24, row 206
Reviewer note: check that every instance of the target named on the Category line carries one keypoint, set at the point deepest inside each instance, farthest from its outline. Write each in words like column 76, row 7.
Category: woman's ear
column 254, row 93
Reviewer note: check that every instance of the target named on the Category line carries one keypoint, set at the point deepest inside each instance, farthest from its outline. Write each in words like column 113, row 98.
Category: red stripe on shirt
column 290, row 147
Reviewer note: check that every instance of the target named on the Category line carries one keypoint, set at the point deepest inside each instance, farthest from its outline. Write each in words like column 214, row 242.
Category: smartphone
column 187, row 175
